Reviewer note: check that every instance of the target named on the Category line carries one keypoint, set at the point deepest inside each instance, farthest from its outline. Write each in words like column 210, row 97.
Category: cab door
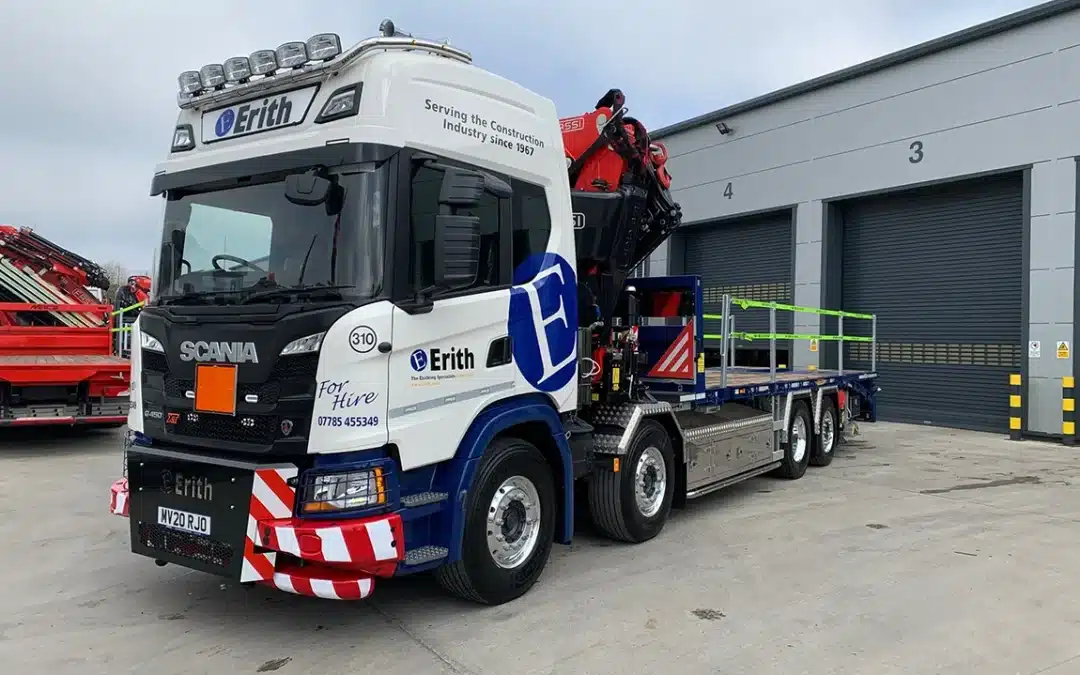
column 451, row 353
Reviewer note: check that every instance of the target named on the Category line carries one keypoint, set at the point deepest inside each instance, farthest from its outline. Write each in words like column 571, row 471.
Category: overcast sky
column 88, row 87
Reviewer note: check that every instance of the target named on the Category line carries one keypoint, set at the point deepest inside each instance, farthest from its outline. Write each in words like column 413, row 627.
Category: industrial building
column 935, row 187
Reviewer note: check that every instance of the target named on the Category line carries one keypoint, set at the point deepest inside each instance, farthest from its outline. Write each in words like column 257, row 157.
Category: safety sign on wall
column 1063, row 350
column 813, row 345
column 1034, row 349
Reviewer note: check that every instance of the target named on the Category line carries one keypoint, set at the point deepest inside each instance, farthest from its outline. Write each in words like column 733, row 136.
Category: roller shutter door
column 749, row 258
column 942, row 268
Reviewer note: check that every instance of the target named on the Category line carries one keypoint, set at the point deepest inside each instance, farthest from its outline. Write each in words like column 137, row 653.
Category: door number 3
column 916, row 148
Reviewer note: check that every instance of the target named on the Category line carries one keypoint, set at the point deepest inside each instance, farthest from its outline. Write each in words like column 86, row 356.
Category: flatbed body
column 62, row 375
column 748, row 383
column 663, row 334
column 63, row 360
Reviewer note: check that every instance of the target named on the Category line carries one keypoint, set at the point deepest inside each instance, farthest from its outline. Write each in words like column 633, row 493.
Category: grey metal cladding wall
column 749, row 258
column 942, row 268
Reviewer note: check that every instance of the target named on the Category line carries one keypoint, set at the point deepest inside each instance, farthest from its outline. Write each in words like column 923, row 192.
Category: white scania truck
column 391, row 332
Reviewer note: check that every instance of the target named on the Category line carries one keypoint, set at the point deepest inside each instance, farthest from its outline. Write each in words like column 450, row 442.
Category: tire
column 512, row 475
column 828, row 434
column 614, row 500
column 797, row 447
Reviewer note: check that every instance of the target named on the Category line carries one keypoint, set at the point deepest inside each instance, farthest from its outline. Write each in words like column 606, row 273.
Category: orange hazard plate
column 215, row 389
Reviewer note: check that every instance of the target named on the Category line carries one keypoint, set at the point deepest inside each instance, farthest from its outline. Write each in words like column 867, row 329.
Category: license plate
column 183, row 521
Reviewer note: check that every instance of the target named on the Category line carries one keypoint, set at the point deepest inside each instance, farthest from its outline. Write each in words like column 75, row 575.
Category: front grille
column 266, row 392
column 260, row 429
column 301, row 365
column 192, row 546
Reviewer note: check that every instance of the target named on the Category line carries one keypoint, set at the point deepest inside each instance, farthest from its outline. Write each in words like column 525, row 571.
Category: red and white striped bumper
column 340, row 558
column 118, row 498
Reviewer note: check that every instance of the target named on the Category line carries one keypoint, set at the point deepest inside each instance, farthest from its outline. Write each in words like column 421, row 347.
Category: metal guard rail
column 123, row 346
column 729, row 334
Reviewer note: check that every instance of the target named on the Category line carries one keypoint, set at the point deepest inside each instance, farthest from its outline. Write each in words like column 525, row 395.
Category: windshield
column 234, row 245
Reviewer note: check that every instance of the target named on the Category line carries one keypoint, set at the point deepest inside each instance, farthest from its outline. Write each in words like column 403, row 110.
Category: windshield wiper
column 197, row 295
column 289, row 291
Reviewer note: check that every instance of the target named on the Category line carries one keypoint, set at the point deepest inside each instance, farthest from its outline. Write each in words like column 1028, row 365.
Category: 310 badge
column 347, row 421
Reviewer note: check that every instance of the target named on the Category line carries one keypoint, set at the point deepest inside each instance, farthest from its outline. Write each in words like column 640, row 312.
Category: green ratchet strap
column 128, row 308
column 743, row 303
column 789, row 336
column 125, row 329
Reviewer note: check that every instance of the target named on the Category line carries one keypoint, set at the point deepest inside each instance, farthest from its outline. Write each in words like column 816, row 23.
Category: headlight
column 292, row 54
column 212, row 75
column 150, row 342
column 305, row 345
column 190, row 82
column 344, row 491
column 237, row 69
column 323, row 47
column 263, row 62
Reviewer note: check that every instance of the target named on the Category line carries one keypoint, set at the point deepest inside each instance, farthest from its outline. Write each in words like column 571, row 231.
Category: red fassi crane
column 56, row 349
column 623, row 210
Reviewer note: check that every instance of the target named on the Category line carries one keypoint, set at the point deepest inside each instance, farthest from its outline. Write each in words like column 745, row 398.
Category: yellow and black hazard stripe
column 1015, row 421
column 1068, row 410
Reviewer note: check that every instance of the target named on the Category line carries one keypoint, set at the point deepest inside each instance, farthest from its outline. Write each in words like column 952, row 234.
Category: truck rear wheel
column 797, row 447
column 825, row 443
column 509, row 526
column 633, row 503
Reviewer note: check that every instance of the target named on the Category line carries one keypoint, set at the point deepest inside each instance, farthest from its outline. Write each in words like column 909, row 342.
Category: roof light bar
column 259, row 72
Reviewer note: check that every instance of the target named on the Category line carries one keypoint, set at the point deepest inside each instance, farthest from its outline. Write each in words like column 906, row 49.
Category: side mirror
column 463, row 188
column 305, row 189
column 457, row 251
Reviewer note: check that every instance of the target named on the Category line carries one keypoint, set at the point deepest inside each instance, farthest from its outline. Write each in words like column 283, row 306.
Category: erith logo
column 262, row 114
column 443, row 360
column 273, row 112
column 543, row 321
column 220, row 352
column 187, row 486
column 431, row 367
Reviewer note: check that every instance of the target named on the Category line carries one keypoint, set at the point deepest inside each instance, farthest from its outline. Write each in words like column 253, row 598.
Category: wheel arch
column 532, row 418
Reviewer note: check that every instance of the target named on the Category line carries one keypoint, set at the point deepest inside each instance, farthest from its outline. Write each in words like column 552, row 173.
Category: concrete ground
column 918, row 551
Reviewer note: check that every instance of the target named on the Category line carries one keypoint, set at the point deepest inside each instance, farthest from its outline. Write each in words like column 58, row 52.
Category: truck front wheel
column 509, row 526
column 632, row 503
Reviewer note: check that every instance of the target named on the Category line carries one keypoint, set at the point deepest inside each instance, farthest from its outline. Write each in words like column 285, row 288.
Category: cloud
column 89, row 100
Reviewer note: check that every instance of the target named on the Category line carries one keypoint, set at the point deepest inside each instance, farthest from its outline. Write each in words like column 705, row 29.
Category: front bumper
column 335, row 559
